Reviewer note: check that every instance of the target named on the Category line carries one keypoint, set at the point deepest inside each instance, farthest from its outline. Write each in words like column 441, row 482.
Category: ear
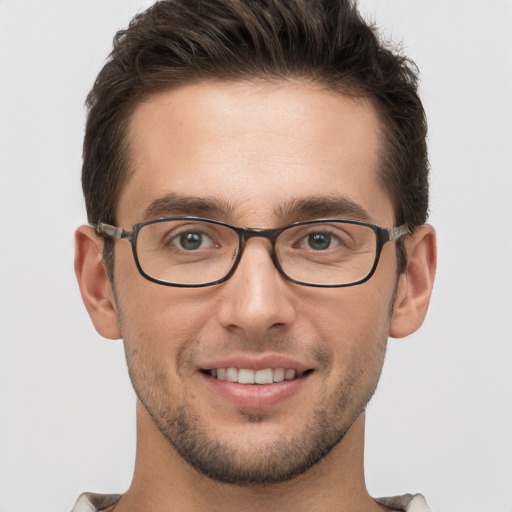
column 94, row 284
column 415, row 284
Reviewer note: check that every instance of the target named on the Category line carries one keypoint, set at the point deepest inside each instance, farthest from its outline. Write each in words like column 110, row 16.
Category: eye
column 191, row 241
column 317, row 241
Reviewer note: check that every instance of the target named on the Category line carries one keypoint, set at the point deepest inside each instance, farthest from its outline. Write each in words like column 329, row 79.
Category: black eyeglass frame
column 383, row 235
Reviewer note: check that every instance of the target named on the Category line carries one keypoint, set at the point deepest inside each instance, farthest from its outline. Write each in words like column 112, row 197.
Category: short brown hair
column 326, row 42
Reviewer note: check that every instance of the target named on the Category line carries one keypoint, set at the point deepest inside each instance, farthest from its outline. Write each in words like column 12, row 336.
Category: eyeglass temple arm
column 394, row 233
column 107, row 229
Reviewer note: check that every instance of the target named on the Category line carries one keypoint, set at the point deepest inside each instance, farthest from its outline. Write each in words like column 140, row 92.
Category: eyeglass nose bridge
column 270, row 234
column 244, row 234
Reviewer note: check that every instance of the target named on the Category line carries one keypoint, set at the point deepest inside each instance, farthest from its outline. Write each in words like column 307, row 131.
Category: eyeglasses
column 194, row 252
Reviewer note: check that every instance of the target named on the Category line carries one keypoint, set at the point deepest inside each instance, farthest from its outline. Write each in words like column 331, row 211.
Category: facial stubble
column 280, row 460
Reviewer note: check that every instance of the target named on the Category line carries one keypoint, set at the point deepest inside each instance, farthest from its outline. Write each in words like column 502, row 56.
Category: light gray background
column 441, row 422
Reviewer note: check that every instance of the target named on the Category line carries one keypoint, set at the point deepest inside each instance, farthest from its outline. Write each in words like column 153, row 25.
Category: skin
column 252, row 148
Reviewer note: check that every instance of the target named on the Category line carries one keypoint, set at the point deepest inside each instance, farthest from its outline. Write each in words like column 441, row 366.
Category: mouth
column 263, row 376
column 255, row 381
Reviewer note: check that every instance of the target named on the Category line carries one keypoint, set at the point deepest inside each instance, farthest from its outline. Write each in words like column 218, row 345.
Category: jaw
column 159, row 466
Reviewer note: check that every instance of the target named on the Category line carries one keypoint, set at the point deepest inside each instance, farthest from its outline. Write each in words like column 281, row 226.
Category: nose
column 257, row 300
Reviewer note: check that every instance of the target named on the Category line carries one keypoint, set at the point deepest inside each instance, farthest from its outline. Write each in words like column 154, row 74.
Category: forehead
column 253, row 147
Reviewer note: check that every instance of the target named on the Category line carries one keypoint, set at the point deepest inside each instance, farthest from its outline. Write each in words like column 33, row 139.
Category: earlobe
column 415, row 284
column 94, row 284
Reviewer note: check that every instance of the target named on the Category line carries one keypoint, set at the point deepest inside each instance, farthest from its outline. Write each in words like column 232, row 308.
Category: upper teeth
column 247, row 376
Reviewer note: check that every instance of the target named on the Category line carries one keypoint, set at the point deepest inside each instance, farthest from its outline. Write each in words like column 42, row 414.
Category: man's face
column 253, row 155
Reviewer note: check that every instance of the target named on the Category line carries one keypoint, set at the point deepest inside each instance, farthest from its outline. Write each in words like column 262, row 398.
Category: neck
column 163, row 481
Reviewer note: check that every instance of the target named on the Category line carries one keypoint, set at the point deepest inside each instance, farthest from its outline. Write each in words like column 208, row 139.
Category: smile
column 248, row 376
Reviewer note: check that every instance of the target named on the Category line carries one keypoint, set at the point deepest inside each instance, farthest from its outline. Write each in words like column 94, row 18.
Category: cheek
column 161, row 327
column 157, row 314
column 353, row 323
column 350, row 315
column 158, row 339
column 165, row 326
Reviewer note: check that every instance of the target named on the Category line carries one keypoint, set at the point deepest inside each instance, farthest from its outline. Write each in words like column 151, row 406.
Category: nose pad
column 257, row 298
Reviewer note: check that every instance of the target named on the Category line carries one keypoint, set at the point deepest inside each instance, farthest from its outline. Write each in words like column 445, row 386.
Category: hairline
column 345, row 88
column 125, row 149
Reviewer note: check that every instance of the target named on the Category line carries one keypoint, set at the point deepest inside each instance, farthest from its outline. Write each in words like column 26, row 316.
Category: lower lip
column 256, row 396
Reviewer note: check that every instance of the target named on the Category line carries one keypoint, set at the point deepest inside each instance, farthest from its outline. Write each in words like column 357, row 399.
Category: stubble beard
column 278, row 461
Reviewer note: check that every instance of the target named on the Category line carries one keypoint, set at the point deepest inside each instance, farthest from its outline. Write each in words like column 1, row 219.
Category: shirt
column 91, row 502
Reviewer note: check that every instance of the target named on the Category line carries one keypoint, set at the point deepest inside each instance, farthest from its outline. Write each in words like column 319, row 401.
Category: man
column 256, row 181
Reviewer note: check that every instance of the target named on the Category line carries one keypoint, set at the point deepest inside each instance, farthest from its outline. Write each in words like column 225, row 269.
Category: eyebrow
column 176, row 204
column 289, row 211
column 320, row 207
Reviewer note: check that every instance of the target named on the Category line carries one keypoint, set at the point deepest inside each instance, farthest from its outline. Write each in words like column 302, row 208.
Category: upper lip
column 257, row 362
